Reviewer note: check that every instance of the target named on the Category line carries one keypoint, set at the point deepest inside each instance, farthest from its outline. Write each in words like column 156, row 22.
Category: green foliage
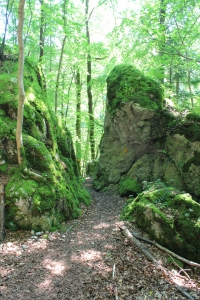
column 129, row 186
column 193, row 116
column 127, row 84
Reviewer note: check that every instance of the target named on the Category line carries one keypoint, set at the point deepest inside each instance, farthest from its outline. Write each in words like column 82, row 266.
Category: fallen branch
column 184, row 293
column 188, row 262
column 134, row 241
column 181, row 269
column 150, row 257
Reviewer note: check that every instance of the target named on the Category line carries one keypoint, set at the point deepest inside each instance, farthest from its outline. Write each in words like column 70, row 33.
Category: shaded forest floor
column 89, row 259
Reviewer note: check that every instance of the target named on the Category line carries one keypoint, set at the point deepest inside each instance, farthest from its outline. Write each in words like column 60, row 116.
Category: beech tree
column 21, row 92
column 89, row 82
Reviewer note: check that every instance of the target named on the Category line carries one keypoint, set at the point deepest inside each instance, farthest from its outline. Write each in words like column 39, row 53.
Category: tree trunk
column 190, row 88
column 78, row 119
column 20, row 82
column 59, row 72
column 42, row 25
column 89, row 89
column 162, row 17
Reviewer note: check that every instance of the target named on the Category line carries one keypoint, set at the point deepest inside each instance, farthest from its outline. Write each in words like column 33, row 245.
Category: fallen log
column 150, row 257
column 188, row 262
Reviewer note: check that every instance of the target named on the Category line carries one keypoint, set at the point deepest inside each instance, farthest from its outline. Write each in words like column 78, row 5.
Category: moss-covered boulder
column 144, row 140
column 129, row 186
column 170, row 217
column 47, row 189
column 127, row 84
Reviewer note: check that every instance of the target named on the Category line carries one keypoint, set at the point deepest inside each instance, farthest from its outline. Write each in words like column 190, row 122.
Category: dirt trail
column 90, row 259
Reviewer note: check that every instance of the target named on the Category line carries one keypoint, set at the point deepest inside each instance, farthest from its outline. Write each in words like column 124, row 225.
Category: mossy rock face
column 129, row 186
column 50, row 191
column 127, row 84
column 169, row 217
column 101, row 178
column 193, row 116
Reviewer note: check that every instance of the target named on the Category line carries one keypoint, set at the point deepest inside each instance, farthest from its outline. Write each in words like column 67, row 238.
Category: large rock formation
column 144, row 141
column 46, row 190
column 169, row 216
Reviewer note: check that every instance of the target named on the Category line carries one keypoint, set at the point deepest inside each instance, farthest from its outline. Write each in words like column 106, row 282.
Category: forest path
column 90, row 259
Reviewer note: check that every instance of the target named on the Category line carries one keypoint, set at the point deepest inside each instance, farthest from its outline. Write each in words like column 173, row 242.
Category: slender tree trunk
column 20, row 82
column 8, row 10
column 78, row 118
column 42, row 26
column 190, row 87
column 162, row 17
column 89, row 89
column 68, row 94
column 59, row 72
column 29, row 22
column 64, row 8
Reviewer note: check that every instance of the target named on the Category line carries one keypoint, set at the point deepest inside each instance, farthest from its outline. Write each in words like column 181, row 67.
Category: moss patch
column 127, row 84
column 170, row 217
column 190, row 131
column 48, row 154
column 129, row 186
column 102, row 180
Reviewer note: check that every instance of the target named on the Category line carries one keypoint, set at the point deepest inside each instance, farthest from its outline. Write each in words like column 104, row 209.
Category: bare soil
column 89, row 259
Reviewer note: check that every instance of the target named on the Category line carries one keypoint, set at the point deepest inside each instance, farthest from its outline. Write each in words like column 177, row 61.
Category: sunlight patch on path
column 55, row 267
column 86, row 255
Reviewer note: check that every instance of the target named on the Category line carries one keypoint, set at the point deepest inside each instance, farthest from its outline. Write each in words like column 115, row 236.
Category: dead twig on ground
column 191, row 263
column 150, row 257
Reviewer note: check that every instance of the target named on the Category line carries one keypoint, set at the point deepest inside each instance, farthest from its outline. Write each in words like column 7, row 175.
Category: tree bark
column 21, row 92
column 58, row 73
column 78, row 118
column 42, row 25
column 162, row 17
column 89, row 89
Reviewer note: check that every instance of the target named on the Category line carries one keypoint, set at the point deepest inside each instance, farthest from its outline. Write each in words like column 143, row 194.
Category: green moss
column 37, row 154
column 8, row 88
column 195, row 160
column 48, row 152
column 190, row 131
column 127, row 84
column 101, row 178
column 129, row 186
column 173, row 214
column 193, row 117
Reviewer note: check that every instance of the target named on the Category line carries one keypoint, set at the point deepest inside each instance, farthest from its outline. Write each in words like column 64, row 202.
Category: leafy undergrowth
column 89, row 259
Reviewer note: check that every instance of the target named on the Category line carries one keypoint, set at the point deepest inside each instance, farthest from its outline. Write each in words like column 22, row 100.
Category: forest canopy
column 77, row 43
